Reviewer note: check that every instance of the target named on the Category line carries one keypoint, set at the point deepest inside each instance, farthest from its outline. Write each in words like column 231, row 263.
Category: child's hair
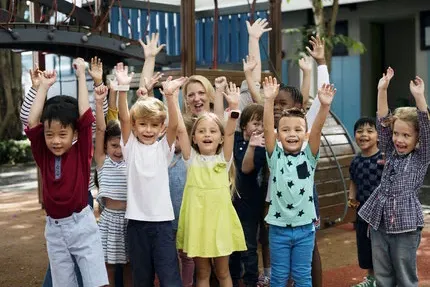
column 296, row 95
column 361, row 122
column 250, row 113
column 113, row 130
column 63, row 109
column 206, row 116
column 148, row 108
column 407, row 114
column 295, row 113
column 210, row 91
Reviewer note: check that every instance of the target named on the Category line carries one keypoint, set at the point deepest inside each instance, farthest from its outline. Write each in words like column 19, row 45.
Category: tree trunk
column 11, row 91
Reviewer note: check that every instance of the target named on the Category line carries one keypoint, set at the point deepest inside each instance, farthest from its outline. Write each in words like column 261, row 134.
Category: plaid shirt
column 395, row 200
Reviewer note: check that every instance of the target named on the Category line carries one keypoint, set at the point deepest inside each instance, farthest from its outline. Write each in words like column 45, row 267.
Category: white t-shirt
column 148, row 194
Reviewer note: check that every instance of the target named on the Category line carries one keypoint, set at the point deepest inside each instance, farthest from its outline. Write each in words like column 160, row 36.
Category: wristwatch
column 234, row 114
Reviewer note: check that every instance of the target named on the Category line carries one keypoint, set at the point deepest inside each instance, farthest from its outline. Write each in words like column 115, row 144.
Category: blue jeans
column 152, row 249
column 395, row 257
column 47, row 281
column 291, row 251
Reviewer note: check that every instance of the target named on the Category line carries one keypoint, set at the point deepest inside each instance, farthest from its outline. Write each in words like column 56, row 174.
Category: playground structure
column 196, row 43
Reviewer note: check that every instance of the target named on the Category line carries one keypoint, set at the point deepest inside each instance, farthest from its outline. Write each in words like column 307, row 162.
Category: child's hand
column 149, row 84
column 170, row 87
column 353, row 203
column 96, row 70
column 221, row 84
column 385, row 80
column 417, row 87
column 121, row 74
column 232, row 95
column 100, row 93
column 79, row 66
column 257, row 28
column 270, row 88
column 249, row 64
column 36, row 77
column 151, row 48
column 141, row 92
column 326, row 94
column 305, row 65
column 317, row 51
column 48, row 78
column 257, row 139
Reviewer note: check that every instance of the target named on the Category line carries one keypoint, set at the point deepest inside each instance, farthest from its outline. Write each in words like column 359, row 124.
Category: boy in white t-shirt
column 150, row 239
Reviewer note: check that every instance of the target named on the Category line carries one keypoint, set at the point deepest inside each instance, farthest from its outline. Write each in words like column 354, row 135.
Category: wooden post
column 275, row 18
column 188, row 38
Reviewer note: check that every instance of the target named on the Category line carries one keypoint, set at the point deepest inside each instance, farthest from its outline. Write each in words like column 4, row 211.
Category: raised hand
column 100, row 93
column 386, row 78
column 96, row 70
column 326, row 94
column 417, row 87
column 257, row 28
column 270, row 88
column 141, row 92
column 170, row 87
column 305, row 64
column 317, row 51
column 221, row 84
column 149, row 84
column 249, row 64
column 353, row 203
column 257, row 140
column 79, row 66
column 232, row 94
column 35, row 76
column 151, row 48
column 48, row 78
column 121, row 74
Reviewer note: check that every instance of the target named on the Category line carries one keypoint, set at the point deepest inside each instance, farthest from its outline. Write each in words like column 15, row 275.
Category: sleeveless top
column 112, row 177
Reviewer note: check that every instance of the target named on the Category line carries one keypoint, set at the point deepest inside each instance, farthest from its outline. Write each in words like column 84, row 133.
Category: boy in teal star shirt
column 292, row 211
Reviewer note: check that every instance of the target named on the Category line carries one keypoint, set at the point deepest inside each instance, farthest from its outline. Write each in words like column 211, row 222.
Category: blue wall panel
column 153, row 22
column 134, row 27
column 162, row 27
column 143, row 24
column 171, row 43
column 125, row 15
column 114, row 20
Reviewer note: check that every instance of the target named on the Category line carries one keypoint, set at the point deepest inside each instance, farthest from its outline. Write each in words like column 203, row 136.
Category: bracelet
column 95, row 86
column 120, row 88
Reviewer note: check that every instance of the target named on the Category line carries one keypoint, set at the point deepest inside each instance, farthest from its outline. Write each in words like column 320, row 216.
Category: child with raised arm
column 209, row 227
column 292, row 211
column 394, row 211
column 65, row 168
column 365, row 173
column 149, row 207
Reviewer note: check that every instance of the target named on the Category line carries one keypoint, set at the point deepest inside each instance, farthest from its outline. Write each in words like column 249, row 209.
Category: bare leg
column 127, row 278
column 223, row 272
column 203, row 270
column 111, row 268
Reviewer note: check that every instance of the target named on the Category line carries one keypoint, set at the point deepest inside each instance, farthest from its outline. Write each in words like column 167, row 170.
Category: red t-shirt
column 69, row 192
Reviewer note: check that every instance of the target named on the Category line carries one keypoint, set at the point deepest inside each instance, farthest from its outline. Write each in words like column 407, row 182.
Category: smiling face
column 405, row 136
column 197, row 99
column 207, row 136
column 366, row 138
column 113, row 149
column 146, row 130
column 58, row 138
column 292, row 133
column 252, row 126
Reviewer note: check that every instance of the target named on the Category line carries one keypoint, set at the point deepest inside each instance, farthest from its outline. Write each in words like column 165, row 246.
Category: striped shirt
column 112, row 178
column 394, row 203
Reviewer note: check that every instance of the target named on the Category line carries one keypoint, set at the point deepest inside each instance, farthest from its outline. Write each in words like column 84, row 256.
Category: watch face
column 234, row 114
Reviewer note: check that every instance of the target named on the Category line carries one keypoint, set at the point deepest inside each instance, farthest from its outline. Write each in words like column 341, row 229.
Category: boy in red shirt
column 71, row 229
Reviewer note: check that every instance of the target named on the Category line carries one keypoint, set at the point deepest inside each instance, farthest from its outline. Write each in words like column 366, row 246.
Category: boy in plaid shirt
column 393, row 210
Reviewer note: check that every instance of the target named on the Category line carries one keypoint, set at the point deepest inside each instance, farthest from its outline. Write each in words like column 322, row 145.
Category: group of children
column 183, row 193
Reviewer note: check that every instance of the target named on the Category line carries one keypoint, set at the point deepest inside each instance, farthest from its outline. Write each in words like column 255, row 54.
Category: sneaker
column 263, row 281
column 369, row 281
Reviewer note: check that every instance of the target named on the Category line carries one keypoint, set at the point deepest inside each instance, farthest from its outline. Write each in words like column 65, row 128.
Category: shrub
column 15, row 151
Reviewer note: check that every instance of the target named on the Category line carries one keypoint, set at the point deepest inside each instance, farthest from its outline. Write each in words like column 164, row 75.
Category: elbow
column 247, row 169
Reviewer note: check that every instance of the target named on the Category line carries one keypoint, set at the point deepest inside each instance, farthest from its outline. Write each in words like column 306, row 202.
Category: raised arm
column 123, row 79
column 382, row 92
column 255, row 32
column 150, row 51
column 35, row 75
column 47, row 80
column 83, row 102
column 232, row 96
column 325, row 95
column 306, row 67
column 182, row 133
column 170, row 89
column 100, row 93
column 271, row 90
column 249, row 65
column 220, row 88
column 248, row 163
column 417, row 89
column 148, row 85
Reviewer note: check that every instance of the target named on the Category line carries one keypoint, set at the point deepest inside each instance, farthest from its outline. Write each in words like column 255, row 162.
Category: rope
column 92, row 13
column 71, row 12
column 106, row 15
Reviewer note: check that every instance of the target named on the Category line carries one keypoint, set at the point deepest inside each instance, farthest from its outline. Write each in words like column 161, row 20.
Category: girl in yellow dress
column 208, row 224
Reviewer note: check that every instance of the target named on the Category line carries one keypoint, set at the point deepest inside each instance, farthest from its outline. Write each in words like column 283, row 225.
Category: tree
column 10, row 82
column 325, row 29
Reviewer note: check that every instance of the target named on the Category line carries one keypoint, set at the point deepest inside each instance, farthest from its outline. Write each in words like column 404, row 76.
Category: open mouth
column 363, row 141
column 199, row 107
column 207, row 141
column 292, row 141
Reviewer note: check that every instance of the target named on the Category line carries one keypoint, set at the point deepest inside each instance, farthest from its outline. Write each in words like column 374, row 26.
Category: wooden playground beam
column 188, row 38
